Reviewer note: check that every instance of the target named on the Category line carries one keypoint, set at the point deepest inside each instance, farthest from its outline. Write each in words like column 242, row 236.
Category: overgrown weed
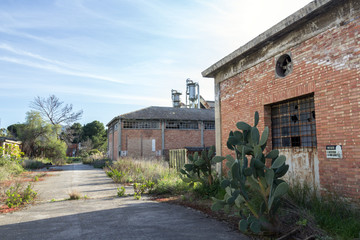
column 9, row 168
column 17, row 196
column 166, row 180
column 74, row 195
column 331, row 213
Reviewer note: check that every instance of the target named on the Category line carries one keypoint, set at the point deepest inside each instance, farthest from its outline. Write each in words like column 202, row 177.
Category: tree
column 40, row 137
column 95, row 131
column 4, row 132
column 76, row 131
column 71, row 134
column 14, row 129
column 55, row 111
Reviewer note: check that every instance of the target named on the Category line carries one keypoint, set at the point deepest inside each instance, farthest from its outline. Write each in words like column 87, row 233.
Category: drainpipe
column 162, row 122
column 198, row 91
column 202, row 133
column 119, row 138
column 113, row 142
column 108, row 141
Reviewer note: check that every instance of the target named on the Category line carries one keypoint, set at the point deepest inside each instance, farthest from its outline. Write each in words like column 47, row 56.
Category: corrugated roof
column 169, row 113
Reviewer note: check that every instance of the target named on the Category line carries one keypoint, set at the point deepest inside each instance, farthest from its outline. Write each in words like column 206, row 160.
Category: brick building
column 151, row 131
column 302, row 76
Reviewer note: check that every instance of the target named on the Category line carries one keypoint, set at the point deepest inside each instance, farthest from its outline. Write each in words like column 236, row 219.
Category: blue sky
column 111, row 57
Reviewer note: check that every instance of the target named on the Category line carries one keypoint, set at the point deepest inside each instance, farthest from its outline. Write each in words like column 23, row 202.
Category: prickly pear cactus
column 199, row 168
column 248, row 169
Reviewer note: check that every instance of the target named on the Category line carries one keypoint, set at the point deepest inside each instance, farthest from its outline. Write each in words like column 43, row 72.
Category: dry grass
column 139, row 170
column 74, row 195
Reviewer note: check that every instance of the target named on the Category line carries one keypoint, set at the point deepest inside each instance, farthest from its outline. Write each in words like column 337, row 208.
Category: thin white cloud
column 58, row 69
column 97, row 95
column 31, row 55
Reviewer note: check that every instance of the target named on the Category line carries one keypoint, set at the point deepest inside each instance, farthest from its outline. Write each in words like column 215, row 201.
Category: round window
column 284, row 65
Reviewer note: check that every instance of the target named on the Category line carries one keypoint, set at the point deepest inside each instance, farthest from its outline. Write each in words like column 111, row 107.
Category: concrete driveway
column 103, row 215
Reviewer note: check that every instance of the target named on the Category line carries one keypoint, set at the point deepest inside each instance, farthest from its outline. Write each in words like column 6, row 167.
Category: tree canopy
column 36, row 134
column 95, row 131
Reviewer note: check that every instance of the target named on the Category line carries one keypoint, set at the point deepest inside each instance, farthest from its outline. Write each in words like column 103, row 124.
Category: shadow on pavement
column 143, row 220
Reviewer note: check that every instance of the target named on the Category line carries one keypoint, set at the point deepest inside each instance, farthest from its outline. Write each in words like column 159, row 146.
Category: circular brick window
column 284, row 65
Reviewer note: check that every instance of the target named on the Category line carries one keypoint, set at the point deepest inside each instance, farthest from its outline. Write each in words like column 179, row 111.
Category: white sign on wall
column 333, row 151
column 123, row 153
column 153, row 145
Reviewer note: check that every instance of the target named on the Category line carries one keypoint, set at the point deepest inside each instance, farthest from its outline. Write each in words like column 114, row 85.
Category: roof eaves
column 266, row 36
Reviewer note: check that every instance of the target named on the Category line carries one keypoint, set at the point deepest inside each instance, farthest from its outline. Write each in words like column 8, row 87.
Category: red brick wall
column 175, row 138
column 141, row 133
column 327, row 65
column 209, row 138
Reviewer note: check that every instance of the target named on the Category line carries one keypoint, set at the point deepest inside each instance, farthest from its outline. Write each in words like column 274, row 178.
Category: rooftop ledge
column 285, row 24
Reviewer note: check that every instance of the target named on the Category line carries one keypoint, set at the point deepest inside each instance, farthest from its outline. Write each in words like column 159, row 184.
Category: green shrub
column 9, row 168
column 83, row 154
column 29, row 194
column 170, row 183
column 73, row 159
column 32, row 164
column 100, row 163
column 59, row 161
column 94, row 152
column 16, row 196
column 87, row 160
column 121, row 192
column 117, row 176
column 327, row 211
column 206, row 191
column 56, row 151
column 141, row 188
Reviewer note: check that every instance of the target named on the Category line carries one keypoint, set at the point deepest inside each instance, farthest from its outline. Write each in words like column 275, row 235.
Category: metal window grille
column 209, row 125
column 140, row 124
column 293, row 123
column 182, row 125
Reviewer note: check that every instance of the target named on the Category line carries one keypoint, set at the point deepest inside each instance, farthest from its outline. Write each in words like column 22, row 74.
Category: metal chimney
column 175, row 96
column 192, row 93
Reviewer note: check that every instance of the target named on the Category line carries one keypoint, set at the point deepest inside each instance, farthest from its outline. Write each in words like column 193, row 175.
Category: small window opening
column 181, row 124
column 284, row 65
column 209, row 125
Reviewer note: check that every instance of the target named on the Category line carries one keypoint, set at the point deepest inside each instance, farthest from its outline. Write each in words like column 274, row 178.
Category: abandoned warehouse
column 302, row 76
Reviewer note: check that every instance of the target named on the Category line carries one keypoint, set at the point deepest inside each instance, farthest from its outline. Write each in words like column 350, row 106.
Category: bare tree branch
column 55, row 111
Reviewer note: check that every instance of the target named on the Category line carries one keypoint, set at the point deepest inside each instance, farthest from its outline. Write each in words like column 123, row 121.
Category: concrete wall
column 325, row 50
column 113, row 148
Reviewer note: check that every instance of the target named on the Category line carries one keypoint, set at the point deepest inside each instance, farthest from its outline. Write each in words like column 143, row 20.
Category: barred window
column 143, row 124
column 209, row 125
column 182, row 125
column 293, row 123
